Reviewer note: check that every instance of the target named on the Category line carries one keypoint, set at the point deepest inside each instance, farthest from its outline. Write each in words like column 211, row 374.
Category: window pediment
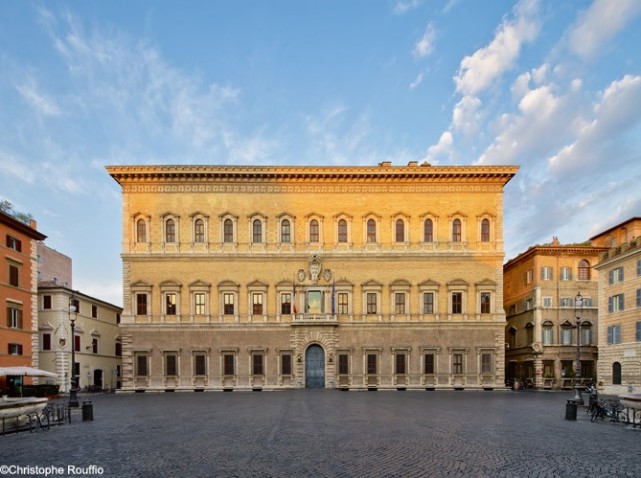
column 199, row 284
column 429, row 283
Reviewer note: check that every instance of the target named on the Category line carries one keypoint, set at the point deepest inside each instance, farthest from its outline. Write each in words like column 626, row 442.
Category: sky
column 551, row 86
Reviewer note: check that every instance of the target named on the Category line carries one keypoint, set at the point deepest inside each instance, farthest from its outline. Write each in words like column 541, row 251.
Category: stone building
column 620, row 307
column 540, row 287
column 96, row 340
column 18, row 297
column 240, row 277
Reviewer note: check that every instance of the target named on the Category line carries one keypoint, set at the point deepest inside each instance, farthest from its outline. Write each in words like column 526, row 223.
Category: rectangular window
column 257, row 364
column 14, row 318
column 94, row 311
column 170, row 304
column 457, row 302
column 528, row 304
column 615, row 303
column 428, row 303
column 14, row 243
column 15, row 349
column 199, row 303
column 228, row 303
column 46, row 302
column 286, row 364
column 529, row 331
column 638, row 297
column 14, row 275
column 547, row 302
column 486, row 303
column 200, row 364
column 141, row 304
column 399, row 303
column 529, row 276
column 343, row 367
column 546, row 273
column 117, row 318
column 46, row 341
column 118, row 351
column 171, row 365
column 94, row 346
column 141, row 366
column 566, row 273
column 343, row 303
column 257, row 304
column 586, row 335
column 399, row 364
column 639, row 268
column 76, row 304
column 371, row 302
column 587, row 302
column 457, row 364
column 616, row 275
column 285, row 303
column 566, row 302
column 371, row 364
column 566, row 336
column 548, row 335
column 429, row 364
column 76, row 342
column 638, row 331
column 228, row 364
column 614, row 334
column 486, row 363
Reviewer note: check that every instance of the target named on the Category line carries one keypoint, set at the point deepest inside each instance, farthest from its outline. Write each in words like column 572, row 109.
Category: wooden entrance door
column 315, row 367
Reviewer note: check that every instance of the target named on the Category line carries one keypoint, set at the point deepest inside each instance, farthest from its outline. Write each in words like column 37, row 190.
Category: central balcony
column 315, row 319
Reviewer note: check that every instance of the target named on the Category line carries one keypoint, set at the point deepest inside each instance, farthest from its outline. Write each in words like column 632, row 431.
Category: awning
column 25, row 371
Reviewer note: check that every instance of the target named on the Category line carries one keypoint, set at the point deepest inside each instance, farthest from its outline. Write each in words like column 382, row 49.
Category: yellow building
column 619, row 308
column 540, row 287
column 239, row 277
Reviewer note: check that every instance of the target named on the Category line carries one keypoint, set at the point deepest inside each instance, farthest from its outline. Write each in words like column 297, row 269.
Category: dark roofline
column 12, row 222
column 636, row 218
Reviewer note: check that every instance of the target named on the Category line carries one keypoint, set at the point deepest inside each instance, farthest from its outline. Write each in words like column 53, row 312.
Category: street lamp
column 73, row 398
column 578, row 308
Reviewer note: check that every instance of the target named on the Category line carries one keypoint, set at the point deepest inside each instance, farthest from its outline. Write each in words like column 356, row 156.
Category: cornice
column 194, row 174
column 583, row 251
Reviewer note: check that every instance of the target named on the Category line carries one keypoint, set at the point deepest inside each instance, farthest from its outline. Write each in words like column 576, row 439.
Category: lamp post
column 73, row 397
column 578, row 308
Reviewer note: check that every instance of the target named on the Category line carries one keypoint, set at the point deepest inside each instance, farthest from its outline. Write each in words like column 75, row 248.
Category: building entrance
column 315, row 367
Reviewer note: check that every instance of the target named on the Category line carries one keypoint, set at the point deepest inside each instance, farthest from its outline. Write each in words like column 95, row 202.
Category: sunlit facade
column 241, row 278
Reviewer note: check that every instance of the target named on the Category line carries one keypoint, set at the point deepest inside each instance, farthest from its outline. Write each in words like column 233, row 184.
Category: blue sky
column 554, row 87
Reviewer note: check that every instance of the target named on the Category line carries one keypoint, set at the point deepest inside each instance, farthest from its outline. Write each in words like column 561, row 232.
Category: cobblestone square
column 329, row 433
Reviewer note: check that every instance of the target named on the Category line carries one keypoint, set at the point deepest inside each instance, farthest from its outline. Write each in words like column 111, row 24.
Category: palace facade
column 251, row 278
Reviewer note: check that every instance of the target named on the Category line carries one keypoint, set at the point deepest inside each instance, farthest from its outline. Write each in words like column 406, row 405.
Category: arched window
column 456, row 230
column 170, row 230
column 400, row 230
column 141, row 231
column 371, row 230
column 199, row 230
column 428, row 231
column 285, row 231
column 584, row 270
column 257, row 231
column 616, row 373
column 342, row 230
column 485, row 230
column 313, row 231
column 228, row 231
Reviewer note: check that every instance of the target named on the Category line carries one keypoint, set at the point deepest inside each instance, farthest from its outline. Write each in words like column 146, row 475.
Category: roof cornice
column 269, row 174
column 569, row 250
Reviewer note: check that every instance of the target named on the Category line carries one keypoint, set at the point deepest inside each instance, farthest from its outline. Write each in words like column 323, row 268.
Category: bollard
column 87, row 411
column 570, row 410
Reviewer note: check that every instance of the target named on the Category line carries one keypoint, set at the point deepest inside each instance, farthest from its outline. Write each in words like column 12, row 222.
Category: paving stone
column 328, row 433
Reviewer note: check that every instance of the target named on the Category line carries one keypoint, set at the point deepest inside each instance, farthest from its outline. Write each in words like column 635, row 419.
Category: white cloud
column 425, row 45
column 417, row 81
column 402, row 7
column 478, row 71
column 616, row 113
column 16, row 167
column 600, row 22
column 466, row 115
column 444, row 149
column 42, row 104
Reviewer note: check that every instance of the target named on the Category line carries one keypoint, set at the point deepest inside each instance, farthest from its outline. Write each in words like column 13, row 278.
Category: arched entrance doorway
column 315, row 367
column 97, row 378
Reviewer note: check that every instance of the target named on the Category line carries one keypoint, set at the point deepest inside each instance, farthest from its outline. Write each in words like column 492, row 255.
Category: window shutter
column 610, row 304
column 611, row 277
column 610, row 335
